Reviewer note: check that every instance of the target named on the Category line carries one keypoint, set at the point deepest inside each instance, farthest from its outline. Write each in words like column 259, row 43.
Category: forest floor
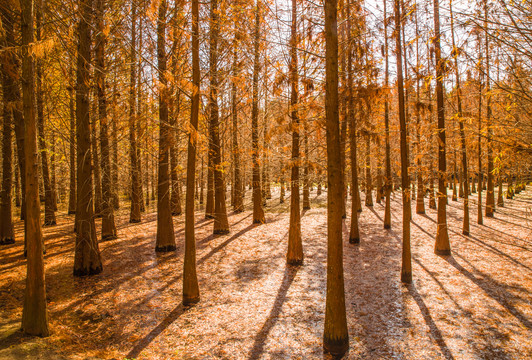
column 475, row 304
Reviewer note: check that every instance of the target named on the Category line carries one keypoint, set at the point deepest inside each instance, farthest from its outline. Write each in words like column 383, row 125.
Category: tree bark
column 388, row 174
column 87, row 259
column 165, row 240
column 406, row 264
column 34, row 313
column 190, row 280
column 294, row 255
column 134, row 215
column 335, row 336
column 221, row 222
column 107, row 211
column 258, row 212
column 442, row 246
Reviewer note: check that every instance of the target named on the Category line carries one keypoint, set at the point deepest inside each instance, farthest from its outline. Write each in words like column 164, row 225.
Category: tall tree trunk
column 221, row 222
column 190, row 280
column 306, row 180
column 7, row 232
column 107, row 211
column 294, row 255
column 406, row 264
column 480, row 219
column 165, row 240
column 175, row 200
column 87, row 259
column 34, row 313
column 369, row 181
column 442, row 246
column 420, row 202
column 465, row 223
column 209, row 206
column 238, row 205
column 354, row 232
column 388, row 174
column 141, row 130
column 96, row 161
column 490, row 191
column 134, row 215
column 258, row 212
column 17, row 180
column 114, row 167
column 49, row 211
column 335, row 336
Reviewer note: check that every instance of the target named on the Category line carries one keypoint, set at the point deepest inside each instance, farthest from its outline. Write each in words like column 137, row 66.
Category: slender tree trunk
column 354, row 232
column 442, row 246
column 294, row 255
column 34, row 313
column 238, row 205
column 420, row 203
column 165, row 240
column 49, row 211
column 87, row 260
column 190, row 280
column 335, row 336
column 7, row 232
column 209, row 207
column 134, row 215
column 490, row 193
column 114, row 167
column 465, row 223
column 258, row 212
column 369, row 181
column 17, row 181
column 388, row 174
column 96, row 163
column 221, row 222
column 406, row 265
column 306, row 190
column 175, row 200
column 480, row 219
column 108, row 218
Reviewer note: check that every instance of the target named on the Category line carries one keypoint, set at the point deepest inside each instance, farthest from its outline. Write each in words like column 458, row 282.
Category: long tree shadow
column 260, row 339
column 434, row 330
column 145, row 341
column 226, row 242
column 487, row 284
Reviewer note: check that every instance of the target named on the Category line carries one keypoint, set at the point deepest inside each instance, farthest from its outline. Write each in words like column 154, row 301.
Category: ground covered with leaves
column 475, row 304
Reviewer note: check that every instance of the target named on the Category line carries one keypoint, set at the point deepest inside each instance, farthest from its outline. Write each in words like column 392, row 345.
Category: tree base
column 7, row 241
column 89, row 271
column 165, row 248
column 308, row 208
column 387, row 226
column 445, row 252
column 71, row 212
column 294, row 262
column 109, row 237
column 406, row 277
column 134, row 221
column 466, row 233
column 209, row 216
column 176, row 213
column 420, row 212
column 336, row 347
column 50, row 223
column 490, row 215
column 354, row 240
column 259, row 221
column 221, row 232
column 190, row 301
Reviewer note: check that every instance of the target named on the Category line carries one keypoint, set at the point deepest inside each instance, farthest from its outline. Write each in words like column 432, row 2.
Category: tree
column 49, row 208
column 456, row 51
column 442, row 246
column 7, row 232
column 221, row 223
column 294, row 255
column 490, row 193
column 108, row 218
column 34, row 313
column 190, row 280
column 335, row 336
column 406, row 264
column 258, row 212
column 134, row 215
column 87, row 260
column 165, row 240
column 388, row 172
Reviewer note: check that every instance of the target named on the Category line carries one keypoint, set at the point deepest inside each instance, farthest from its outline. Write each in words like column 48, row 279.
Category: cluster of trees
column 89, row 85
